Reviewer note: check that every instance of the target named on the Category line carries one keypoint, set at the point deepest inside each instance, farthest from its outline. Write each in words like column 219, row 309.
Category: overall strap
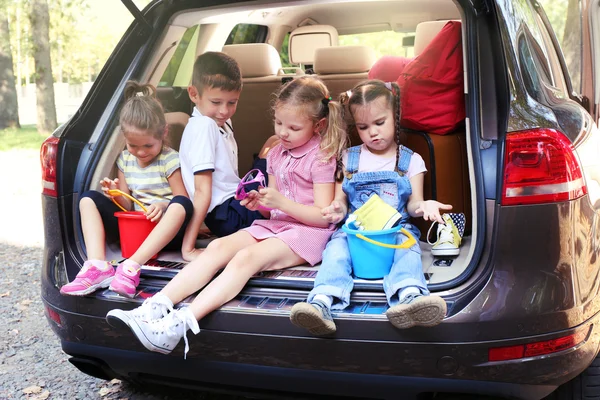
column 404, row 160
column 352, row 162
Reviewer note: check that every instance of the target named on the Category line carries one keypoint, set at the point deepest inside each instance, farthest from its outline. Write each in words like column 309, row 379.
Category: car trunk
column 450, row 169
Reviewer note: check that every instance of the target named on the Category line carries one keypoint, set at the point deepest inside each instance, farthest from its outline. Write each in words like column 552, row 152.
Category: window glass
column 247, row 33
column 386, row 43
column 180, row 67
column 535, row 39
column 565, row 19
column 553, row 56
column 284, row 54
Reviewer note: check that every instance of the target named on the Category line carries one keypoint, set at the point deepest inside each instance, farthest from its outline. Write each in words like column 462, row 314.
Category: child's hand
column 251, row 202
column 335, row 212
column 156, row 210
column 431, row 210
column 107, row 184
column 270, row 198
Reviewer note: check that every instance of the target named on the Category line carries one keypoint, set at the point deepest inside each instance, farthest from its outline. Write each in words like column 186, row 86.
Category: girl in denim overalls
column 396, row 174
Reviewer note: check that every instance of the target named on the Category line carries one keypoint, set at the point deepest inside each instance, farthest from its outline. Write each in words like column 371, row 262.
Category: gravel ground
column 32, row 364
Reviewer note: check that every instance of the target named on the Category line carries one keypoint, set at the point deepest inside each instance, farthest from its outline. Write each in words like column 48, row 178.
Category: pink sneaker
column 127, row 278
column 89, row 279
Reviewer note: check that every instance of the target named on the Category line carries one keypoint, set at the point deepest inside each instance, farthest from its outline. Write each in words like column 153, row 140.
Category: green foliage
column 557, row 15
column 25, row 138
column 284, row 54
column 83, row 34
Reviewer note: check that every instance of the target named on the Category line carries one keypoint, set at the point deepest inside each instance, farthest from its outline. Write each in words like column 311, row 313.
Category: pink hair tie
column 388, row 85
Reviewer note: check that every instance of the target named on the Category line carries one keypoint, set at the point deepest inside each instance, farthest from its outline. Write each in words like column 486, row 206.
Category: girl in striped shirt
column 149, row 171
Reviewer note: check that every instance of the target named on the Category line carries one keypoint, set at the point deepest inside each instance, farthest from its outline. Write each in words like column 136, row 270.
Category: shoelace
column 150, row 304
column 444, row 235
column 186, row 324
column 324, row 309
column 409, row 298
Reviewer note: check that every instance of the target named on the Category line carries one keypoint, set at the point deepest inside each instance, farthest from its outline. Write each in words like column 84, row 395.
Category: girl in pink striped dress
column 301, row 172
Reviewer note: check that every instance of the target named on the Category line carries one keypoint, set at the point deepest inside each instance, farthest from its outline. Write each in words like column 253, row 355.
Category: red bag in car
column 432, row 85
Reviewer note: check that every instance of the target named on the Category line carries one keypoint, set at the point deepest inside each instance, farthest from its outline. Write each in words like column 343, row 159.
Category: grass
column 17, row 139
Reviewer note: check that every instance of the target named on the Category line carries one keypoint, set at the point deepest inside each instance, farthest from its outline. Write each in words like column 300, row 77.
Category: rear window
column 247, row 33
column 565, row 19
column 386, row 43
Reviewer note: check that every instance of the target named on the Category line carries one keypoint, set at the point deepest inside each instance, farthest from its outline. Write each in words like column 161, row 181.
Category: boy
column 209, row 153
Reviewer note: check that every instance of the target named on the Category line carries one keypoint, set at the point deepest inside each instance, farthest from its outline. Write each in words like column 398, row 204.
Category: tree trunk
column 9, row 111
column 571, row 43
column 44, row 83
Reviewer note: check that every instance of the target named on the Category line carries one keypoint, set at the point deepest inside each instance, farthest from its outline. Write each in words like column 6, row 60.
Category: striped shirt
column 150, row 184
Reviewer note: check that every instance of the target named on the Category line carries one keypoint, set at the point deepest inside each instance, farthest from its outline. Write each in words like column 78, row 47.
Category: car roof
column 349, row 17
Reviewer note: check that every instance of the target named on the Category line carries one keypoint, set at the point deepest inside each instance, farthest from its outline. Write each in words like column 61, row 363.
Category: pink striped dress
column 295, row 171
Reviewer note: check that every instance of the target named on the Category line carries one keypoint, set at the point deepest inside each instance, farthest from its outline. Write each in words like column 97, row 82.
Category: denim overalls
column 335, row 274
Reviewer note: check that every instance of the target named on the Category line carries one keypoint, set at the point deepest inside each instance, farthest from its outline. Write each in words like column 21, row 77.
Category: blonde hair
column 311, row 94
column 142, row 110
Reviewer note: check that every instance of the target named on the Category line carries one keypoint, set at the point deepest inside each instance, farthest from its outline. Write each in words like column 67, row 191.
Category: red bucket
column 134, row 228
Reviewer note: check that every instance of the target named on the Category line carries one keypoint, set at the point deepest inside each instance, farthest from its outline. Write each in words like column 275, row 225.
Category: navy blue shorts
column 107, row 210
column 230, row 216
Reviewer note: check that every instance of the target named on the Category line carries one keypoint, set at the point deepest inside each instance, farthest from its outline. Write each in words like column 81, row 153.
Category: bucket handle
column 117, row 192
column 406, row 245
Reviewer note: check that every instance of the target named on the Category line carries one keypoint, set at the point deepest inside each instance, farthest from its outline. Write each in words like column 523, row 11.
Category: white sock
column 323, row 298
column 101, row 264
column 408, row 290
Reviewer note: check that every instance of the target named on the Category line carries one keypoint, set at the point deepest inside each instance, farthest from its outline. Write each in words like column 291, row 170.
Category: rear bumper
column 278, row 381
column 283, row 361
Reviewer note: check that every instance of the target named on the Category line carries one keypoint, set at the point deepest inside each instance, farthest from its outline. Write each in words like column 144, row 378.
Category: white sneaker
column 155, row 307
column 449, row 236
column 162, row 335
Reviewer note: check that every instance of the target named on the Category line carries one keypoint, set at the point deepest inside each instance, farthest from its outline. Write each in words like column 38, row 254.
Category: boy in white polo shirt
column 208, row 151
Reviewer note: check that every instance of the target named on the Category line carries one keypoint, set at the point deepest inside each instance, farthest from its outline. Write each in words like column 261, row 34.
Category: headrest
column 255, row 59
column 306, row 39
column 425, row 33
column 343, row 60
column 388, row 68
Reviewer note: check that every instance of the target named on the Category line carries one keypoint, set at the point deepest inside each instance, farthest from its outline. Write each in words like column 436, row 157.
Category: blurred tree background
column 83, row 33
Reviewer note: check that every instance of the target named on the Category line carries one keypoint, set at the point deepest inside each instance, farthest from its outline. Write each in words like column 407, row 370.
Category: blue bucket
column 372, row 252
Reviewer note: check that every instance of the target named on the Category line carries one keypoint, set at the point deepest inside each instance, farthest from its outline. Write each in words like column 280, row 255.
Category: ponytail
column 142, row 111
column 334, row 139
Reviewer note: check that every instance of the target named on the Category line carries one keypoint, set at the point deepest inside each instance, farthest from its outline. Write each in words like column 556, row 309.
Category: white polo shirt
column 206, row 147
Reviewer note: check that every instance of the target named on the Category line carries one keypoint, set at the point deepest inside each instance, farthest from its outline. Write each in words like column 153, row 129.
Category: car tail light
column 53, row 315
column 537, row 348
column 48, row 154
column 540, row 166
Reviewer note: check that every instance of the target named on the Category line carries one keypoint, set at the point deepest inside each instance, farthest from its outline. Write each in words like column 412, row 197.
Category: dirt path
column 20, row 198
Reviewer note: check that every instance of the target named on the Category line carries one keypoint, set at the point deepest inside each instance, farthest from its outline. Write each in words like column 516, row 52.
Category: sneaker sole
column 104, row 284
column 124, row 294
column 306, row 316
column 445, row 252
column 137, row 331
column 425, row 311
column 118, row 319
